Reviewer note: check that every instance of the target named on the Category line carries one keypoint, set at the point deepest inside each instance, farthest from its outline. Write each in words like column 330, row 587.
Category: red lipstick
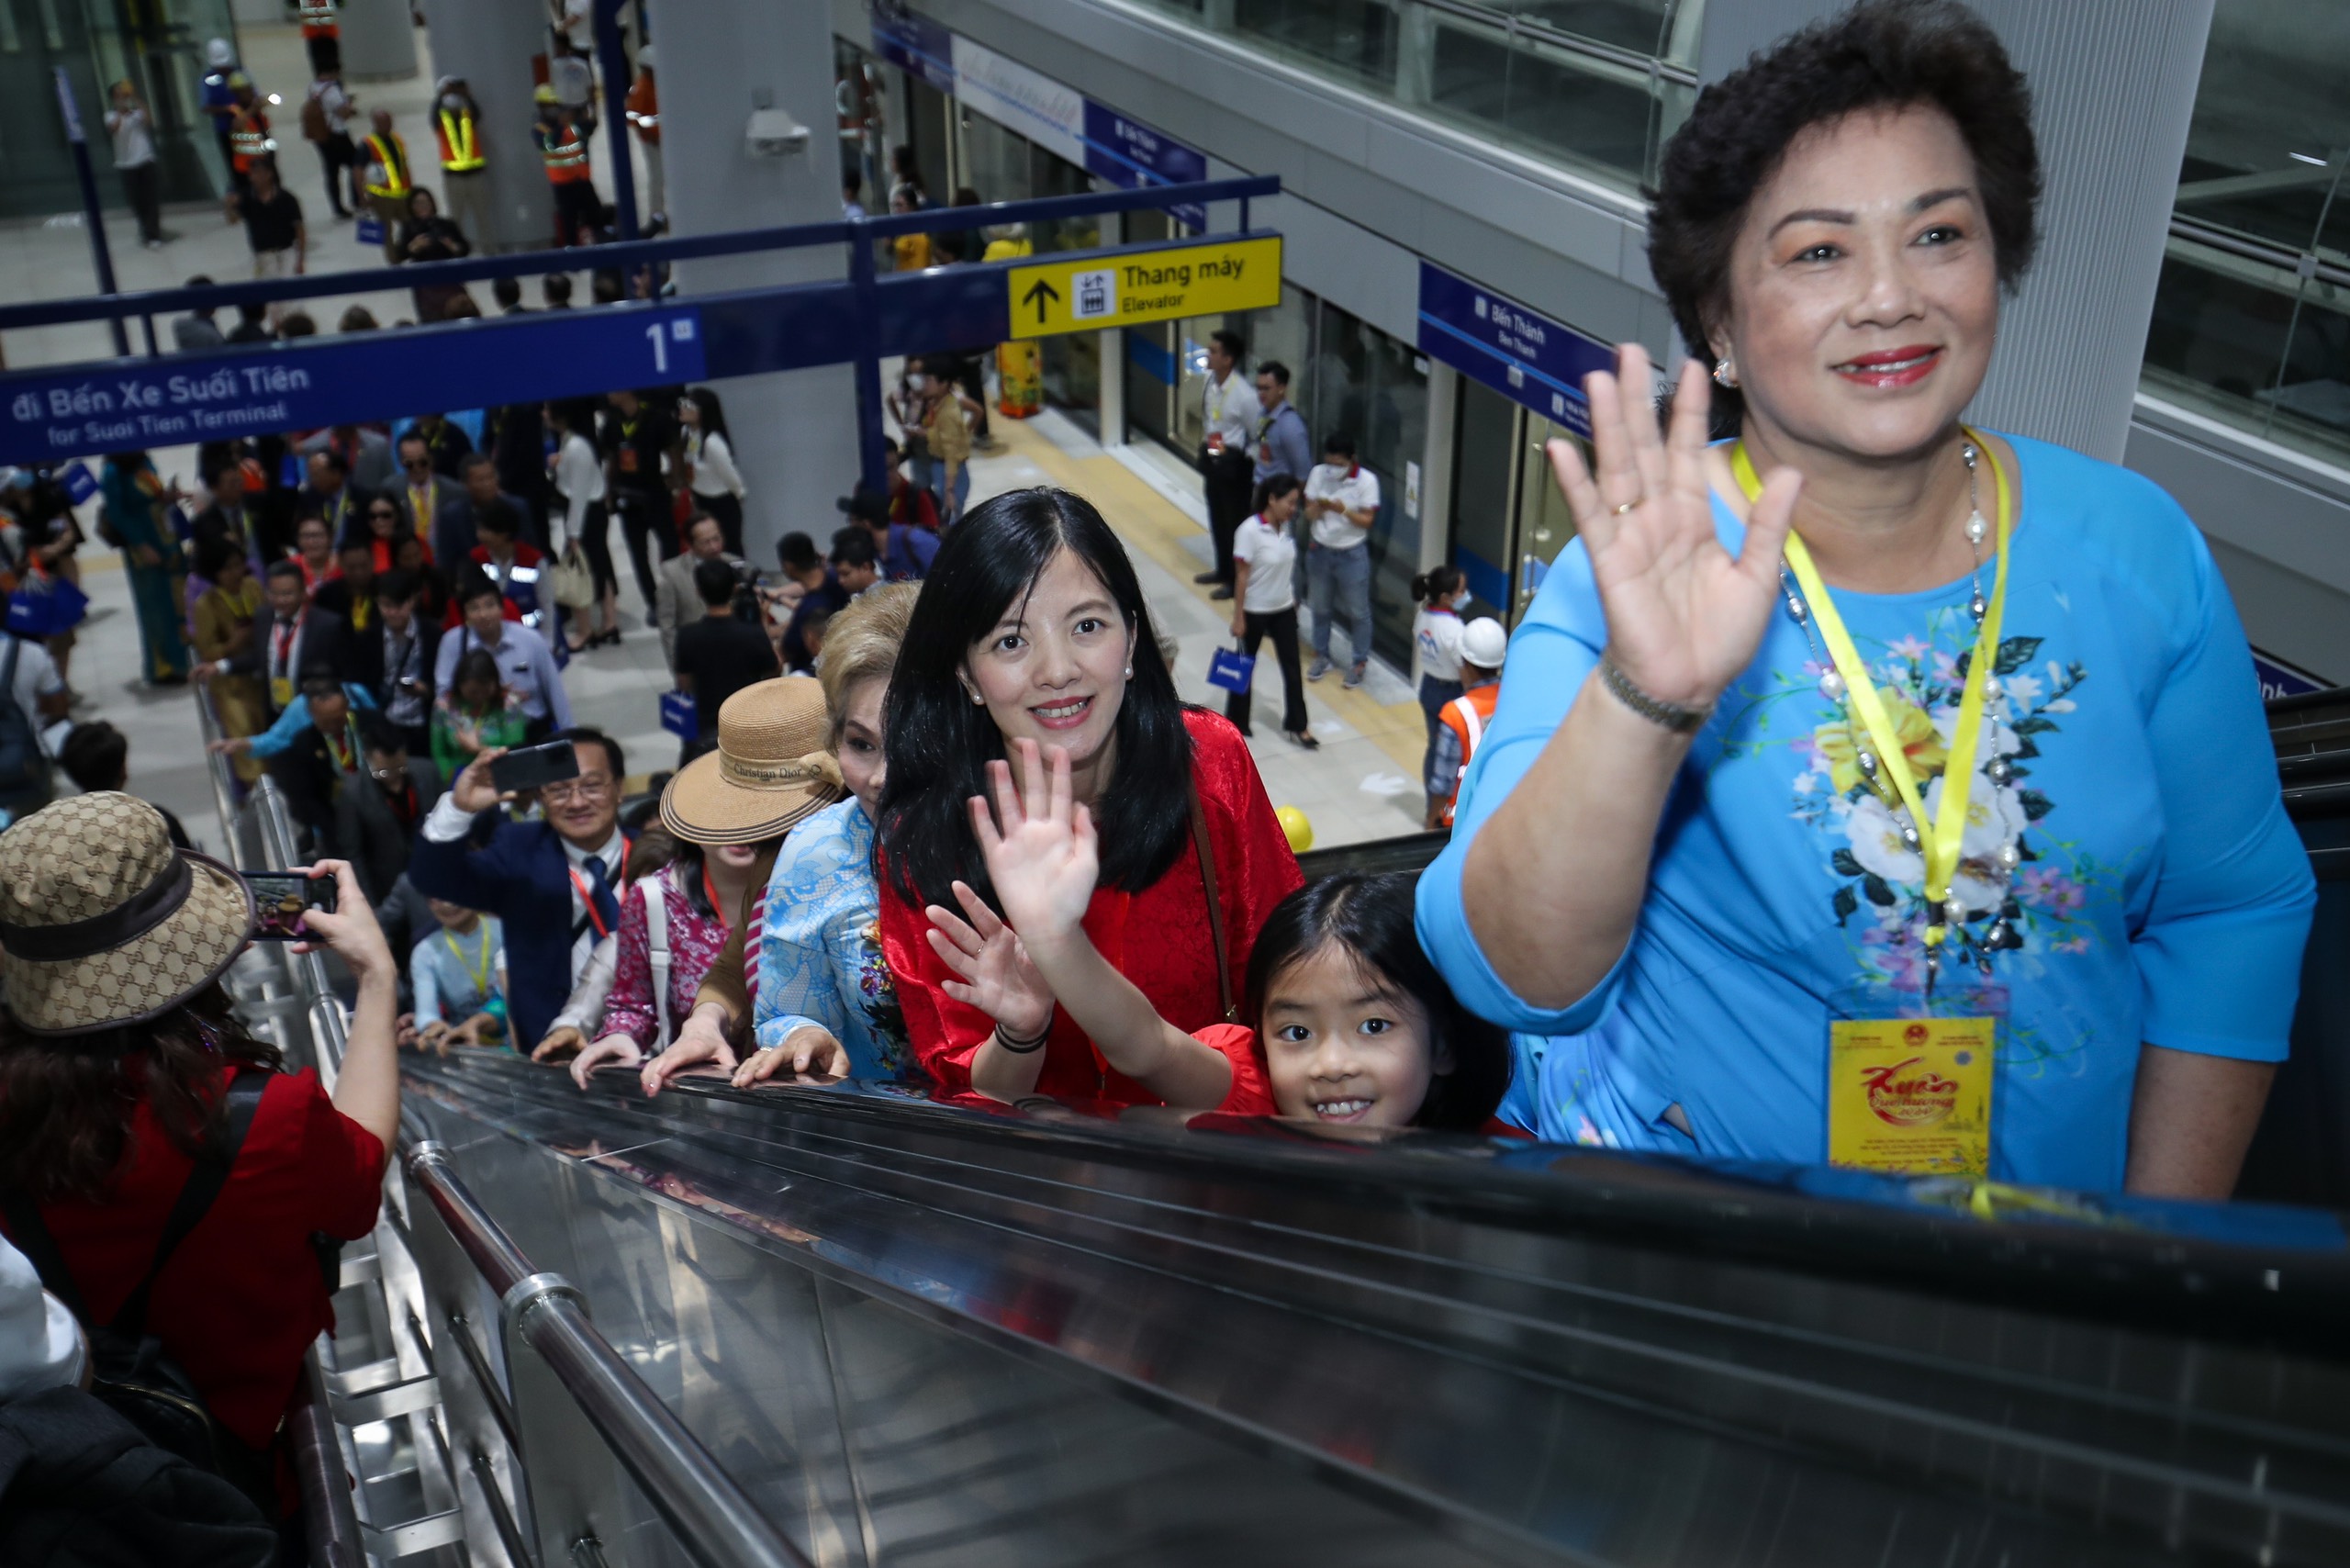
column 1890, row 368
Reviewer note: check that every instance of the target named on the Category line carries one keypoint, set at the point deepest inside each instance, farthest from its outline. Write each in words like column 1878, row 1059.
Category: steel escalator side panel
column 1577, row 1363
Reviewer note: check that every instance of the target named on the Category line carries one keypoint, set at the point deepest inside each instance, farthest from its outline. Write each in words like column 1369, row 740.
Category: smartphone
column 535, row 766
column 280, row 900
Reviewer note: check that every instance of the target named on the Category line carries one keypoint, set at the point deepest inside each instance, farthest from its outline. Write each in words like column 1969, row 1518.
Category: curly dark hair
column 1882, row 54
column 66, row 1104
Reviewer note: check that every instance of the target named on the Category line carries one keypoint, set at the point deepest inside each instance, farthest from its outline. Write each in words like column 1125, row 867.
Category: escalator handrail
column 712, row 1517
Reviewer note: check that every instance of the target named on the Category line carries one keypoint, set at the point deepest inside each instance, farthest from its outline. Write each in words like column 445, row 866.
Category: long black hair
column 712, row 412
column 939, row 742
column 66, row 1104
column 1371, row 917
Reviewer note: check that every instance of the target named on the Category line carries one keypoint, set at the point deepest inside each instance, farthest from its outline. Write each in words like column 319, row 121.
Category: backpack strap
column 203, row 1183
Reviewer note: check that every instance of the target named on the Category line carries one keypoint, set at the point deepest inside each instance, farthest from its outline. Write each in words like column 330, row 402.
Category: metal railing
column 712, row 1517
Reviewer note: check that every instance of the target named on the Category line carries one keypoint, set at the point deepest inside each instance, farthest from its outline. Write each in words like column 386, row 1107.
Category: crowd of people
column 1719, row 883
column 367, row 167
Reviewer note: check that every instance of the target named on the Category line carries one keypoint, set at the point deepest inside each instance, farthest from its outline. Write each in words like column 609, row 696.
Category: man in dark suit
column 515, row 437
column 456, row 528
column 227, row 519
column 323, row 758
column 553, row 884
column 395, row 660
column 290, row 634
column 424, row 493
column 375, row 818
column 329, row 494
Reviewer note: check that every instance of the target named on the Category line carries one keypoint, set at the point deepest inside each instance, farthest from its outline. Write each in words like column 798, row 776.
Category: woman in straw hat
column 703, row 890
column 124, row 1075
column 819, row 996
column 770, row 772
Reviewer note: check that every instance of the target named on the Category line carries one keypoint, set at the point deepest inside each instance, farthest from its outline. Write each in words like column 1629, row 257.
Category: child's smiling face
column 1344, row 1045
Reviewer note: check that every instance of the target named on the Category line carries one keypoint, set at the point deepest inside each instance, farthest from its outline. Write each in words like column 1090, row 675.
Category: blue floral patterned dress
column 819, row 948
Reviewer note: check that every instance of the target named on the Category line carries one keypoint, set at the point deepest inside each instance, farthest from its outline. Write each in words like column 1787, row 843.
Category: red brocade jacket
column 1158, row 938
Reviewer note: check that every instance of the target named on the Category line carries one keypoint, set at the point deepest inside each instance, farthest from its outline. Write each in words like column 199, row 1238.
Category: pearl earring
column 1130, row 672
column 1725, row 373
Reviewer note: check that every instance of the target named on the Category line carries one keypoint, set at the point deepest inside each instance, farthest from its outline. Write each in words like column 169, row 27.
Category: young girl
column 1346, row 1020
column 1443, row 594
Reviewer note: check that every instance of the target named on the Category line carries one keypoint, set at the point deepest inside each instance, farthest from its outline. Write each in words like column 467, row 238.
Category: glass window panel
column 1357, row 36
column 1544, row 99
column 1628, row 24
column 1374, row 388
column 1484, row 460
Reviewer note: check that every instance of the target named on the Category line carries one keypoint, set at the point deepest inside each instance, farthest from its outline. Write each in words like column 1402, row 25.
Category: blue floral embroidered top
column 2158, row 892
column 819, row 948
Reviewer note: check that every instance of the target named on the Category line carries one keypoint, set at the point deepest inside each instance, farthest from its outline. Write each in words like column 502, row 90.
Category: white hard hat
column 218, row 53
column 644, row 58
column 446, row 82
column 1484, row 643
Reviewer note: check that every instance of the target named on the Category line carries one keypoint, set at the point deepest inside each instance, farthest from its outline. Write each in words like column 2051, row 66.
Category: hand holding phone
column 281, row 900
column 534, row 767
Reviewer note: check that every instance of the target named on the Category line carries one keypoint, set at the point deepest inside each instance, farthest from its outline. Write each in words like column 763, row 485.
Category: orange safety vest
column 1467, row 716
column 248, row 139
column 317, row 19
column 391, row 156
column 460, row 146
column 565, row 152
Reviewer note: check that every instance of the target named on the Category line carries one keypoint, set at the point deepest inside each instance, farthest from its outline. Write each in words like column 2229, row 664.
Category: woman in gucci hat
column 730, row 809
column 121, row 1065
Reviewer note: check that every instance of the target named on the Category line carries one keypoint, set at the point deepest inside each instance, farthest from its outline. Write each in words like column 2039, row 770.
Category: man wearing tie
column 426, row 496
column 553, row 884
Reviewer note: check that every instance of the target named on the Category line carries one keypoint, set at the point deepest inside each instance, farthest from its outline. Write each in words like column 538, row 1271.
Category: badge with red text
column 1912, row 1096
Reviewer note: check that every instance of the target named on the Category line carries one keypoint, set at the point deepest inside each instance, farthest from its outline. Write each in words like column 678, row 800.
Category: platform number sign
column 661, row 334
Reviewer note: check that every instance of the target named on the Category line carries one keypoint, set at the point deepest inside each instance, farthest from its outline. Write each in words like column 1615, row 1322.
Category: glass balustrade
column 1596, row 85
column 2252, row 317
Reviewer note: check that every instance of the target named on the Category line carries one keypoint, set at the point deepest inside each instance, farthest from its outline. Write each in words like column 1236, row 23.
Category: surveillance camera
column 772, row 133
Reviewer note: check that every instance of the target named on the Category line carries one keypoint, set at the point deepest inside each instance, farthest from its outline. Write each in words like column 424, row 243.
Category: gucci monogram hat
column 104, row 922
column 773, row 764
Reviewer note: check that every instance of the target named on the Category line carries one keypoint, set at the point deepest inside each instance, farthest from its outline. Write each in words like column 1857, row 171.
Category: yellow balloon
column 1298, row 826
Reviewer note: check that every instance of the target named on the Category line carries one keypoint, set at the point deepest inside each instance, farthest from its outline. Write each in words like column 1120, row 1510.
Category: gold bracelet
column 1675, row 716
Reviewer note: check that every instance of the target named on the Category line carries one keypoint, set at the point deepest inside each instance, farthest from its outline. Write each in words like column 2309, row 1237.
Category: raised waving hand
column 1684, row 614
column 1038, row 843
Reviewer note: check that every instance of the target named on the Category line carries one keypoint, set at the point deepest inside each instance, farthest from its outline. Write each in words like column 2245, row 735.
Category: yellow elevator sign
column 1117, row 290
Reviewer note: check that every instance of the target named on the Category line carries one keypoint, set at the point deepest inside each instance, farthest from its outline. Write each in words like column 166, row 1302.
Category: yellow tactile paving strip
column 1147, row 523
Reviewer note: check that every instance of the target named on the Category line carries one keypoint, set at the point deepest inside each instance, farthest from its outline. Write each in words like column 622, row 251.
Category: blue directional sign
column 2279, row 678
column 1520, row 353
column 1130, row 154
column 915, row 44
column 51, row 415
column 121, row 404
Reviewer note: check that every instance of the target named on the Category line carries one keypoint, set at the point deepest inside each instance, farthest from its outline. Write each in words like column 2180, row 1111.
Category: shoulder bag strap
column 203, row 1183
column 1206, row 848
column 657, row 945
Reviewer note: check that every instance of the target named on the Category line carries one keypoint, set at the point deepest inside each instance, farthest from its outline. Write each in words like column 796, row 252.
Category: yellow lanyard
column 480, row 972
column 1940, row 844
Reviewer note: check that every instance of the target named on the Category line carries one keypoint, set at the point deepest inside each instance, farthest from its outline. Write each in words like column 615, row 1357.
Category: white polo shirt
column 1270, row 554
column 1356, row 488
